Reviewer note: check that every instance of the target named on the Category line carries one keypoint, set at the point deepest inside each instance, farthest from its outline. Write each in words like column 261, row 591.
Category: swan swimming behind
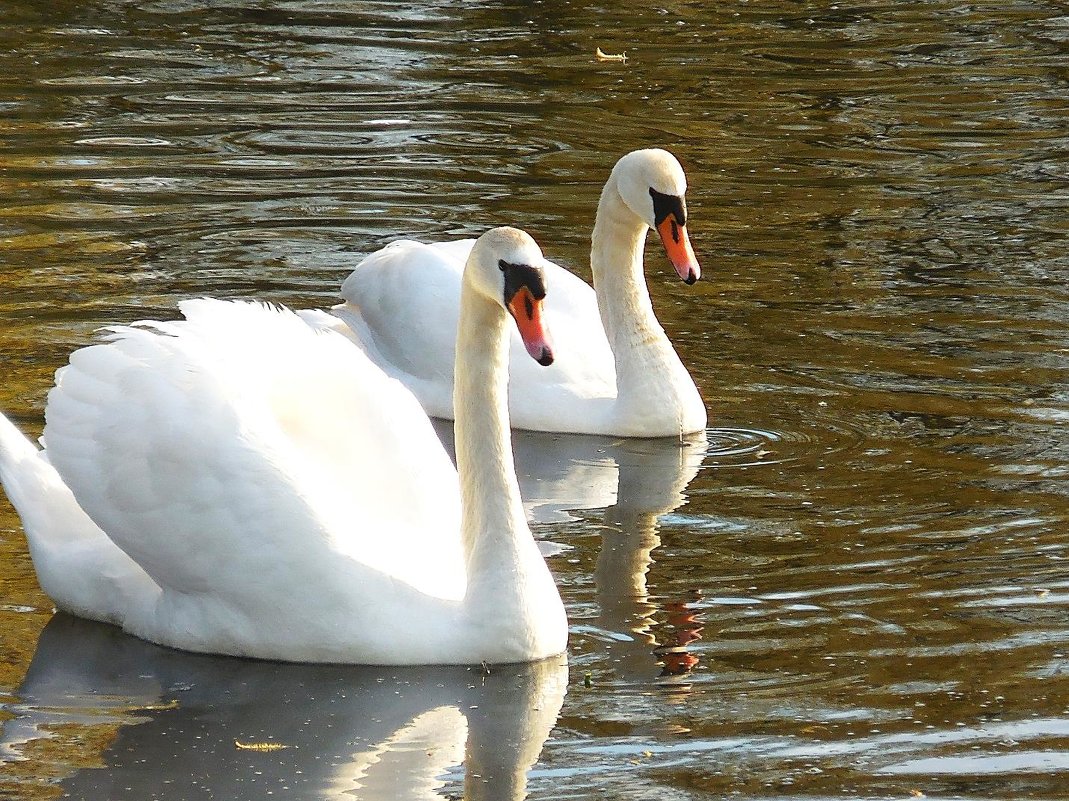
column 617, row 372
column 238, row 483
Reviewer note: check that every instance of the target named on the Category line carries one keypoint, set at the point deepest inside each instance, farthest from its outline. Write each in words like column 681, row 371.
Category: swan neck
column 616, row 264
column 641, row 349
column 494, row 528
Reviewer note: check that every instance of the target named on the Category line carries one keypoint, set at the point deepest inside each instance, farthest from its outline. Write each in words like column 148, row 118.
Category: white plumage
column 267, row 491
column 617, row 373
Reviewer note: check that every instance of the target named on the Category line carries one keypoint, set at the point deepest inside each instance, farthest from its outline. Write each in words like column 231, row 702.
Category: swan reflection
column 635, row 481
column 179, row 725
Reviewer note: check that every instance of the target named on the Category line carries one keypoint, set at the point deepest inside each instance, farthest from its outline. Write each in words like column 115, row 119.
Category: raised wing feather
column 239, row 448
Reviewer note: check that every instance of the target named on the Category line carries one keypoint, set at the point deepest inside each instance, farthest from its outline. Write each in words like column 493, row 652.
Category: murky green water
column 856, row 586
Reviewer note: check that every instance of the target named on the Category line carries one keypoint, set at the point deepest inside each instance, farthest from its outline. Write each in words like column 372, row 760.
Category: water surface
column 855, row 584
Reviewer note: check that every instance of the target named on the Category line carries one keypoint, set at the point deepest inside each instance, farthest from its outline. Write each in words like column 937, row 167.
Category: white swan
column 266, row 494
column 617, row 372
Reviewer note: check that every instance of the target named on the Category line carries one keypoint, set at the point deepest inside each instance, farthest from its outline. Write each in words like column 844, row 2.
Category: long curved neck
column 646, row 362
column 497, row 542
column 616, row 248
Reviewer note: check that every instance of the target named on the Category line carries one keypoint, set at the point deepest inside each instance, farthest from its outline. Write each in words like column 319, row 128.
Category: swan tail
column 80, row 569
column 350, row 322
column 49, row 512
column 319, row 320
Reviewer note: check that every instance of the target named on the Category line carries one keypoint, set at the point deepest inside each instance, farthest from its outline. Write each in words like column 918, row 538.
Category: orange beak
column 677, row 246
column 526, row 310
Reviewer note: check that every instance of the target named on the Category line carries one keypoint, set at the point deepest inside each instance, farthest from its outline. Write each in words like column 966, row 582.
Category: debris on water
column 260, row 746
column 603, row 56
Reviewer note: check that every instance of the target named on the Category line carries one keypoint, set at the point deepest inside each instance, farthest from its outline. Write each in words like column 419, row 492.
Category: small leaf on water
column 260, row 746
column 602, row 56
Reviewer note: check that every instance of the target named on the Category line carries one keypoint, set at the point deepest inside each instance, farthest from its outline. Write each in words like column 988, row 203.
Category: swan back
column 255, row 469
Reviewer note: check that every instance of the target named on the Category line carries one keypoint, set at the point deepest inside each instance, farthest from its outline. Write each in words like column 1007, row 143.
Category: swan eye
column 665, row 206
column 521, row 276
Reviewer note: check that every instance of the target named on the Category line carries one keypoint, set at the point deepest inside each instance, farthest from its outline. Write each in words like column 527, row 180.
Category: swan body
column 237, row 482
column 617, row 372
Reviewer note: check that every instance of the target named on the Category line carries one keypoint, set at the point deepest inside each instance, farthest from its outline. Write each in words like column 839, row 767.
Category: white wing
column 240, row 453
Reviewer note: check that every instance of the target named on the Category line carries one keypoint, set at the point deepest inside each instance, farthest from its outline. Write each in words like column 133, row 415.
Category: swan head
column 652, row 185
column 505, row 265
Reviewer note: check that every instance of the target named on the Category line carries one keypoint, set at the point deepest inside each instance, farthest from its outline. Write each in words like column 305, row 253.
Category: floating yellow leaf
column 172, row 704
column 260, row 746
column 603, row 56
